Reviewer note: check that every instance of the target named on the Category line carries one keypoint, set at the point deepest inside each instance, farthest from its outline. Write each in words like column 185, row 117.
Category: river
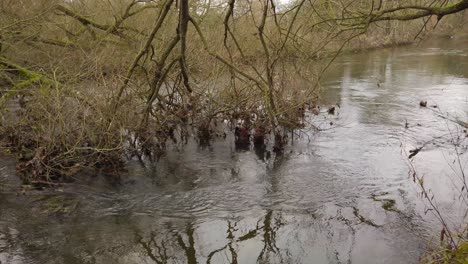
column 342, row 195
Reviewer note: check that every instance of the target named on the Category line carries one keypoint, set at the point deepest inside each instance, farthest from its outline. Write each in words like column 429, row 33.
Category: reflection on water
column 340, row 196
column 161, row 251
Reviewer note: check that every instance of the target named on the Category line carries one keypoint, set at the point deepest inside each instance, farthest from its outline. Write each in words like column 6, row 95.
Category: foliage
column 91, row 83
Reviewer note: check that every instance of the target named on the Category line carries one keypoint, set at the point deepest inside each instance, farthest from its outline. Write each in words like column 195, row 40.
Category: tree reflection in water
column 156, row 252
column 181, row 247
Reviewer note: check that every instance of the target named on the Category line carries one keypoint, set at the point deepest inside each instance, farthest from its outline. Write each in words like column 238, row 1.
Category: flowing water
column 339, row 196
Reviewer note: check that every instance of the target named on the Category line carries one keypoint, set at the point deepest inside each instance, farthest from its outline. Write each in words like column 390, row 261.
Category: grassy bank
column 448, row 256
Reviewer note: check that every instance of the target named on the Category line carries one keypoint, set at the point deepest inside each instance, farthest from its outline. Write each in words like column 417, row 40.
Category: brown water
column 322, row 202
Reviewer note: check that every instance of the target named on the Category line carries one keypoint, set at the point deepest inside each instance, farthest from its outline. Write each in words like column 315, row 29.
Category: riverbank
column 340, row 195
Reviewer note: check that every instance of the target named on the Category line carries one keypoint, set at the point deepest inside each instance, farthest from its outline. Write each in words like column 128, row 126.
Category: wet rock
column 423, row 103
column 331, row 110
column 315, row 110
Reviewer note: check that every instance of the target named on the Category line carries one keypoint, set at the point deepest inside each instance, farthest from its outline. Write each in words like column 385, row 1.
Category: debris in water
column 414, row 152
column 331, row 110
column 389, row 205
column 362, row 219
column 423, row 103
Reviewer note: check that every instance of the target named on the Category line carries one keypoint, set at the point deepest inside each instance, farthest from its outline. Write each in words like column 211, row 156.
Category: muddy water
column 340, row 196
